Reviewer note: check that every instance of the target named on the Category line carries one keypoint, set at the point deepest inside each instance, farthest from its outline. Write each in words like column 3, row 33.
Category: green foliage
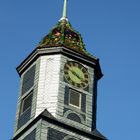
column 64, row 35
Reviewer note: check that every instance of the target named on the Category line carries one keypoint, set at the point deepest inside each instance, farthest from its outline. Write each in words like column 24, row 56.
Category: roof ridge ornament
column 64, row 14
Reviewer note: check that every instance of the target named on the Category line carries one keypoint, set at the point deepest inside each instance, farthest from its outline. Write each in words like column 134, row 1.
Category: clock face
column 76, row 74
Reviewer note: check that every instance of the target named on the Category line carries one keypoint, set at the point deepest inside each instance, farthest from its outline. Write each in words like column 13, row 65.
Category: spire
column 64, row 35
column 64, row 15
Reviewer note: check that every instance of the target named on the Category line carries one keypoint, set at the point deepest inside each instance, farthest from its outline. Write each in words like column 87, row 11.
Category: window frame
column 23, row 102
column 80, row 98
column 28, row 78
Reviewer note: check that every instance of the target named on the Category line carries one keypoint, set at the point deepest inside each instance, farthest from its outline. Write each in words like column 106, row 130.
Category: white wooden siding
column 48, row 84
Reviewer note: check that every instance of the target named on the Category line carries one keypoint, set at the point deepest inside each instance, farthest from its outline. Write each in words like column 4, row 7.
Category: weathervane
column 64, row 15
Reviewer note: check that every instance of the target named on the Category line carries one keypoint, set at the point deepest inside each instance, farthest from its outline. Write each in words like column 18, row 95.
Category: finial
column 64, row 15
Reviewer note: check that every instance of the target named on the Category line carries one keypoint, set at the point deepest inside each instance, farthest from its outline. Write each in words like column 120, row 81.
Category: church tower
column 58, row 88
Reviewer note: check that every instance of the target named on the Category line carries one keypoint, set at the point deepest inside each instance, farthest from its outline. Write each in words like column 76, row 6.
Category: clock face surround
column 76, row 74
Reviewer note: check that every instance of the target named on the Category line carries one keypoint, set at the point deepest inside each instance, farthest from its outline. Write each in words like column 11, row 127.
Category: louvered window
column 28, row 79
column 31, row 136
column 25, row 109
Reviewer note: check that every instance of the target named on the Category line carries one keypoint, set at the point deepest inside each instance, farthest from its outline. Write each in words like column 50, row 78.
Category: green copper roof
column 64, row 15
column 64, row 35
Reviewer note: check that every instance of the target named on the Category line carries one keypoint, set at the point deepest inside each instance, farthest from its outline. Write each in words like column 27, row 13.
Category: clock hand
column 74, row 73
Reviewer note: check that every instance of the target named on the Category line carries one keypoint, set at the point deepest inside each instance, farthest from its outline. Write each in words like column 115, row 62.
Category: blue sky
column 111, row 32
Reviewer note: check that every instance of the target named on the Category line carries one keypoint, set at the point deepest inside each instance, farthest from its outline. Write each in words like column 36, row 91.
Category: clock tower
column 58, row 88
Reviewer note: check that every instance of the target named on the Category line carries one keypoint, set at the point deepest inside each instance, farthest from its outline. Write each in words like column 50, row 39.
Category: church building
column 58, row 88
